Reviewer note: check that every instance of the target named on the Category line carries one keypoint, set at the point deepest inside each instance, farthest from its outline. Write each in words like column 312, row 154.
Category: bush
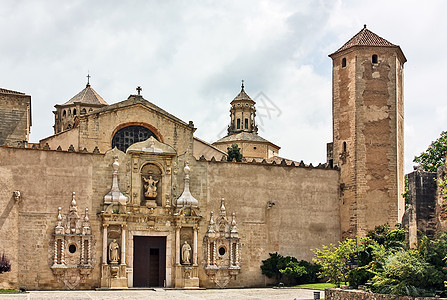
column 289, row 269
column 5, row 265
column 407, row 273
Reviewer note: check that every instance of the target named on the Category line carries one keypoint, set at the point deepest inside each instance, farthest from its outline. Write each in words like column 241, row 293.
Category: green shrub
column 289, row 269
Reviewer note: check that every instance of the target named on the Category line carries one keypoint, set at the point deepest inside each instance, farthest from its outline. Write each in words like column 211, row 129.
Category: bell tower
column 242, row 114
column 368, row 140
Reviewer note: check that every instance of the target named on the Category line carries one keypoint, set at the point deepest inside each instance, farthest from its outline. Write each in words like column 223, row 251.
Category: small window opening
column 238, row 123
column 254, row 147
column 72, row 248
column 246, row 123
column 374, row 59
column 222, row 251
column 343, row 62
column 344, row 146
column 64, row 114
column 74, row 111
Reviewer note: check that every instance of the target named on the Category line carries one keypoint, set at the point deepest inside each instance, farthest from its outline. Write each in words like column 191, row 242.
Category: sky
column 189, row 57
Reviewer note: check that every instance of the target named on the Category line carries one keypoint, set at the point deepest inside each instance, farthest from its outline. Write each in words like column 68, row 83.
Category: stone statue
column 151, row 187
column 114, row 251
column 186, row 253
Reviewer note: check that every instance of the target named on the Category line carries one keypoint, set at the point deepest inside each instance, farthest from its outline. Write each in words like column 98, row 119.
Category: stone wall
column 46, row 180
column 284, row 209
column 15, row 116
column 279, row 208
column 337, row 294
column 421, row 215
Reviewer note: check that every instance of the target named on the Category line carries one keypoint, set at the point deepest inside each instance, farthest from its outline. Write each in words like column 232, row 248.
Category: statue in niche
column 186, row 253
column 114, row 251
column 151, row 187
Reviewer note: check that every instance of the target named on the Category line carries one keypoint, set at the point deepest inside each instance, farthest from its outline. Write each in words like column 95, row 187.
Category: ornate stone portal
column 187, row 220
column 222, row 248
column 72, row 257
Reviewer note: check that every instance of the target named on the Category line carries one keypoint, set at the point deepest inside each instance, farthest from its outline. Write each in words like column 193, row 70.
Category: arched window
column 374, row 59
column 69, row 112
column 238, row 124
column 64, row 114
column 129, row 135
column 344, row 147
column 343, row 62
column 74, row 111
column 83, row 111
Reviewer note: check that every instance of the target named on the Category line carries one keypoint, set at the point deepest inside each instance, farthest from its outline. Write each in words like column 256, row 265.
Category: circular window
column 222, row 251
column 72, row 248
column 129, row 135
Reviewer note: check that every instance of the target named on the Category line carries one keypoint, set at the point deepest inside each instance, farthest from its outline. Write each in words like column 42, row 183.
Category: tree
column 234, row 153
column 434, row 157
column 5, row 265
column 336, row 261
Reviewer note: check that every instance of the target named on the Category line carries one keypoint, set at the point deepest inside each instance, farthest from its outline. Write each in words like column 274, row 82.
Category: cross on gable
column 139, row 89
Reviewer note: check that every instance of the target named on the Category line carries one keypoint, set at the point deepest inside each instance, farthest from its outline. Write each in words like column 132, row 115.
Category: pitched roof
column 242, row 95
column 5, row 91
column 365, row 37
column 134, row 100
column 87, row 96
column 243, row 136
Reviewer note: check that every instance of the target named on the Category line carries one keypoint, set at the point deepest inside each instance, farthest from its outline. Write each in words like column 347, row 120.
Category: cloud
column 189, row 57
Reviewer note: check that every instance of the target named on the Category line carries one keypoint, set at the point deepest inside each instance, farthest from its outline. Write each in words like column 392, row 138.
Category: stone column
column 63, row 251
column 123, row 244
column 194, row 258
column 208, row 254
column 214, row 252
column 231, row 253
column 82, row 251
column 177, row 244
column 104, row 244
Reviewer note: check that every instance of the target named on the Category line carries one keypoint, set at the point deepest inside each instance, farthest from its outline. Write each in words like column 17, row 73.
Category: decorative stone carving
column 16, row 195
column 114, row 251
column 72, row 254
column 115, row 195
column 222, row 248
column 186, row 253
column 186, row 199
column 150, row 187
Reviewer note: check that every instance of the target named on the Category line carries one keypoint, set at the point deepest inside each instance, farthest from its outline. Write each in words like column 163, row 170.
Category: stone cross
column 139, row 89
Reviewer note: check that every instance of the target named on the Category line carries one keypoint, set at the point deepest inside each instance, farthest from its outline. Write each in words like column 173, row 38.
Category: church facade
column 124, row 195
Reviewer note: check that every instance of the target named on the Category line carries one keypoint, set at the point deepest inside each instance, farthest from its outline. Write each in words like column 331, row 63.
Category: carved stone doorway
column 149, row 261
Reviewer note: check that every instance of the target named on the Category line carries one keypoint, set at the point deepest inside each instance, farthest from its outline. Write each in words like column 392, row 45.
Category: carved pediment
column 152, row 146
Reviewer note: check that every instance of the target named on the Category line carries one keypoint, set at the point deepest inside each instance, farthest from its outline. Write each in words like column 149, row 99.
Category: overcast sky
column 190, row 56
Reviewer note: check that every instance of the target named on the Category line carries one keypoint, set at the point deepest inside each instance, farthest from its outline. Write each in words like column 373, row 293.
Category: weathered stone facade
column 368, row 132
column 128, row 197
column 15, row 117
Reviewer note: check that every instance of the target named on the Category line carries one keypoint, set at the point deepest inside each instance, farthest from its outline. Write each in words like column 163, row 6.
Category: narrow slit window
column 343, row 62
column 344, row 146
column 246, row 123
column 238, row 123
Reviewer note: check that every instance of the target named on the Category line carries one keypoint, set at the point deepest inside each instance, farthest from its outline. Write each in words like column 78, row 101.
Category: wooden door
column 149, row 261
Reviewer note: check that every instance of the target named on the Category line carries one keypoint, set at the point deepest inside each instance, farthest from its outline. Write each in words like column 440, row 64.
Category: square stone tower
column 368, row 137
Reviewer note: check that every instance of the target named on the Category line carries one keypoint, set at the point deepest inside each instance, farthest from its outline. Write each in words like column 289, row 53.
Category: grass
column 9, row 291
column 315, row 286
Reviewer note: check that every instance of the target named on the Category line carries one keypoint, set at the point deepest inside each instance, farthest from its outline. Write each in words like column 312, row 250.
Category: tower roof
column 242, row 95
column 87, row 96
column 365, row 37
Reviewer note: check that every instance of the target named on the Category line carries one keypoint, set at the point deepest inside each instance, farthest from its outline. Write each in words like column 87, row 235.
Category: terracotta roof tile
column 87, row 96
column 365, row 37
